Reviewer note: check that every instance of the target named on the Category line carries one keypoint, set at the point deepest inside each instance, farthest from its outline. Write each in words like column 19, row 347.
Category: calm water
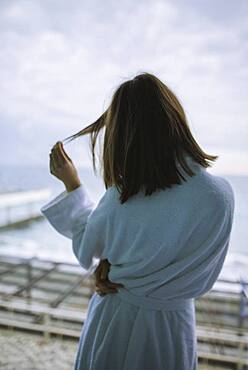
column 41, row 240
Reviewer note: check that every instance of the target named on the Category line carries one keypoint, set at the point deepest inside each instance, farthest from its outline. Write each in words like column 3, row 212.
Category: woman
column 161, row 231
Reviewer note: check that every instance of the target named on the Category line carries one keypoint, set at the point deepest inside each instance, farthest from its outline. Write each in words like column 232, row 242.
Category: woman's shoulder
column 216, row 191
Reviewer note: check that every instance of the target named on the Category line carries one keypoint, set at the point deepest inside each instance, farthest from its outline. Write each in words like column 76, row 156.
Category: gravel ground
column 27, row 351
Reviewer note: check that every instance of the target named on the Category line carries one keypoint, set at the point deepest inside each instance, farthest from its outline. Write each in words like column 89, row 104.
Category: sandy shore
column 26, row 351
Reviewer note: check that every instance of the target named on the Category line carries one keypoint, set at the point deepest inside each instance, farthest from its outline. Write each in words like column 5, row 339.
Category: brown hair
column 146, row 134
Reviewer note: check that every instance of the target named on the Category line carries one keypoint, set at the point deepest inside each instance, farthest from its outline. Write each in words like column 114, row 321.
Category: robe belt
column 155, row 303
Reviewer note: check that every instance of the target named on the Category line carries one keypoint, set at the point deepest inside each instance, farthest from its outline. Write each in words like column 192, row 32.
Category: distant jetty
column 19, row 207
column 51, row 298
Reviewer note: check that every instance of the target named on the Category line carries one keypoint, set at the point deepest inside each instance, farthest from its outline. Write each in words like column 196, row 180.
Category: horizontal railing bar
column 68, row 292
column 32, row 282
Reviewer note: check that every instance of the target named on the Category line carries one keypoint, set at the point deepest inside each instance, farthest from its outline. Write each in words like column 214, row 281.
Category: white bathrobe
column 166, row 249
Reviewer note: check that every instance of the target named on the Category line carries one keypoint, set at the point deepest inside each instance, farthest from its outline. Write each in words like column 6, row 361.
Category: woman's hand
column 62, row 167
column 103, row 284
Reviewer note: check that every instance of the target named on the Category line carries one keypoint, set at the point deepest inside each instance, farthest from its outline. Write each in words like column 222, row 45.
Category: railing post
column 29, row 278
column 240, row 356
column 46, row 322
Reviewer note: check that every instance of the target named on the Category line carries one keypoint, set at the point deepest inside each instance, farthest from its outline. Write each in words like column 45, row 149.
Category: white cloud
column 60, row 63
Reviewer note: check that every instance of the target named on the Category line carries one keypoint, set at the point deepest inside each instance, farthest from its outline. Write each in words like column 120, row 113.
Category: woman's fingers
column 58, row 155
column 106, row 283
column 105, row 287
column 60, row 152
column 63, row 151
column 101, row 271
column 103, row 284
column 97, row 272
column 106, row 290
column 56, row 158
column 51, row 164
column 104, row 271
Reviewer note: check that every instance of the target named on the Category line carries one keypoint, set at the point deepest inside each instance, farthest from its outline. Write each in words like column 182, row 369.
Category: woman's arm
column 69, row 211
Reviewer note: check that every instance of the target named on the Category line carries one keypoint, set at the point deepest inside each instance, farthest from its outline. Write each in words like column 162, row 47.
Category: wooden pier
column 18, row 207
column 51, row 298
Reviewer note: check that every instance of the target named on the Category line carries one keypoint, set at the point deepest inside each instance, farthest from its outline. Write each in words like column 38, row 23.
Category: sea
column 39, row 239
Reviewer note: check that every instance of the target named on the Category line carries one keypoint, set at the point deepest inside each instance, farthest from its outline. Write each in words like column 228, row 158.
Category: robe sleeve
column 69, row 213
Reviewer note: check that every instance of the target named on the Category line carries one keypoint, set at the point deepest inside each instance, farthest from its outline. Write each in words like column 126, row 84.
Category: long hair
column 146, row 134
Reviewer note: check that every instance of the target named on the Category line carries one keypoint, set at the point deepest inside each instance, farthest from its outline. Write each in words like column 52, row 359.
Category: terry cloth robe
column 166, row 249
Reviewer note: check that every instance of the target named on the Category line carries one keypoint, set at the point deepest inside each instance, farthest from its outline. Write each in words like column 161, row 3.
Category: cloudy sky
column 61, row 60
